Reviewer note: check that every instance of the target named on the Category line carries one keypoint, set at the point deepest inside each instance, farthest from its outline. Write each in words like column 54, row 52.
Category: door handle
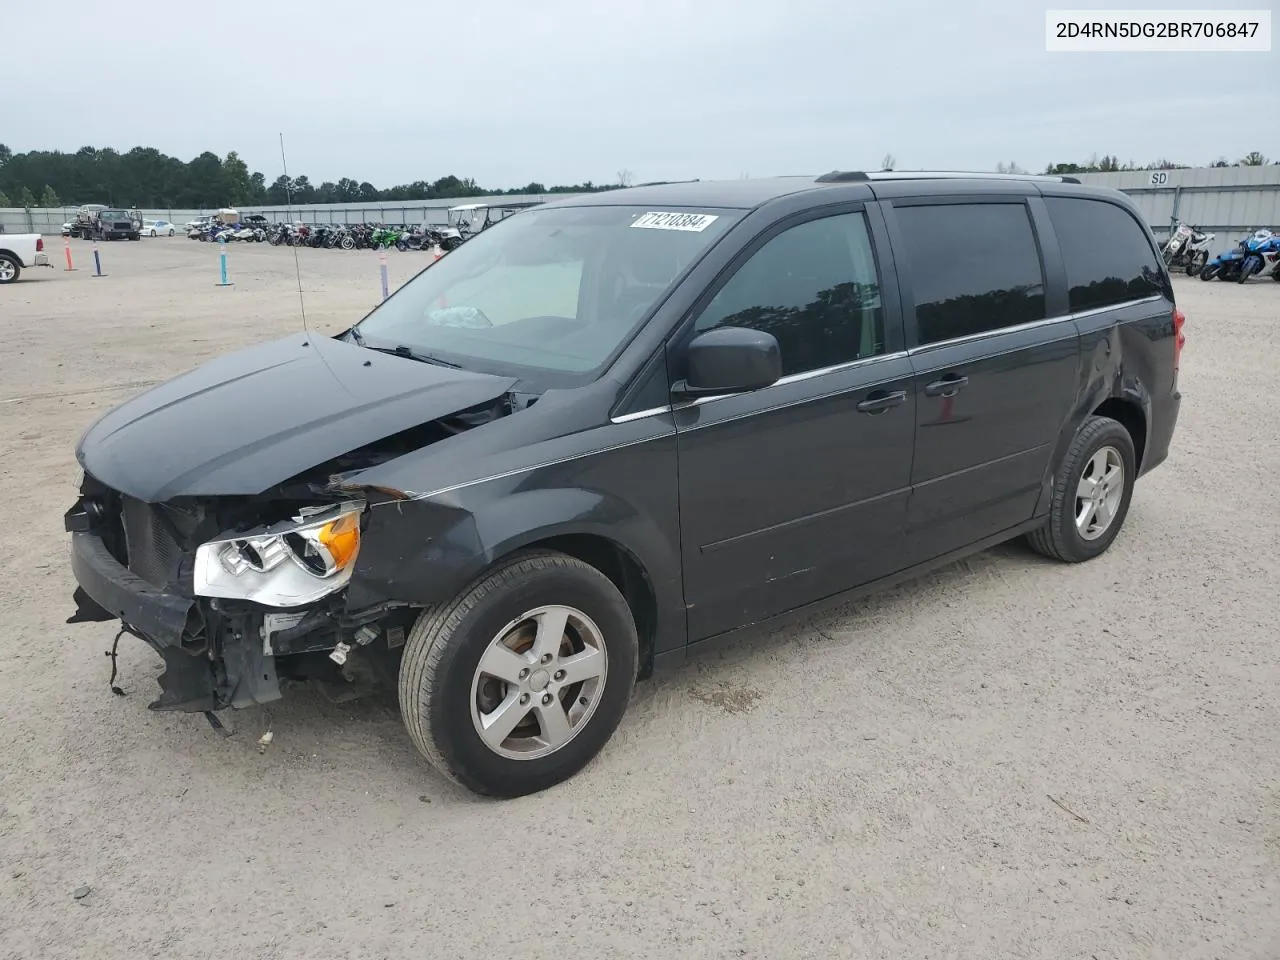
column 879, row 404
column 948, row 386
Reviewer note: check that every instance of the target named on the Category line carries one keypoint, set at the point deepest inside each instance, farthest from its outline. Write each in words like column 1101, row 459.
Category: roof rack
column 858, row 176
column 666, row 183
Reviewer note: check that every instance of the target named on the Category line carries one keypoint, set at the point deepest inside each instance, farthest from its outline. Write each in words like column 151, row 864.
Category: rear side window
column 974, row 268
column 1106, row 253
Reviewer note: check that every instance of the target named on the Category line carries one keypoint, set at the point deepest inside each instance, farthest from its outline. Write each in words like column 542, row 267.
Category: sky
column 563, row 91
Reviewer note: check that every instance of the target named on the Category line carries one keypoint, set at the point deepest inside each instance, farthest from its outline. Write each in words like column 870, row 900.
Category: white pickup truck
column 18, row 250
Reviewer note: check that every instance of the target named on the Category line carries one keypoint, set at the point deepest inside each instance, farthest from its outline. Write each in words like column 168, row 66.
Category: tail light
column 39, row 244
column 1179, row 338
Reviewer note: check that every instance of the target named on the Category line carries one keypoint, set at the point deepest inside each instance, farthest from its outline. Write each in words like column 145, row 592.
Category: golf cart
column 468, row 219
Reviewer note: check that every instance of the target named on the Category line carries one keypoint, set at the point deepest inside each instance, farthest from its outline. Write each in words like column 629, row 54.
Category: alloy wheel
column 539, row 682
column 1099, row 493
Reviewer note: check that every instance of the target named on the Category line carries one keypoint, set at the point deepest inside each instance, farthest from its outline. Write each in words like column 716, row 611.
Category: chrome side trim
column 641, row 414
column 791, row 378
column 519, row 470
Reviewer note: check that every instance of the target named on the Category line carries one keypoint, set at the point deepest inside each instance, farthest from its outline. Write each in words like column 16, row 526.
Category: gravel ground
column 1008, row 758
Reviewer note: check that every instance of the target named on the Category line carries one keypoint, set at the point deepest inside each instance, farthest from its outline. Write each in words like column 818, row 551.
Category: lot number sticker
column 691, row 222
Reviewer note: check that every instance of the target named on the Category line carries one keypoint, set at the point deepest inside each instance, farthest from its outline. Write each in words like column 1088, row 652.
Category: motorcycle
column 415, row 239
column 1255, row 252
column 1262, row 256
column 1226, row 265
column 1188, row 247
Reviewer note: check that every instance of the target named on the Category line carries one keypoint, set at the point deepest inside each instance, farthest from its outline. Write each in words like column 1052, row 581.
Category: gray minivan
column 620, row 427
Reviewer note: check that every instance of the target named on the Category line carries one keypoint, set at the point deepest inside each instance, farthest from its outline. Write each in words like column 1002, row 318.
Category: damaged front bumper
column 183, row 631
column 218, row 653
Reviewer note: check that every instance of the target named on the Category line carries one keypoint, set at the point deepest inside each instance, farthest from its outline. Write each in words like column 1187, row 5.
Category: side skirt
column 673, row 658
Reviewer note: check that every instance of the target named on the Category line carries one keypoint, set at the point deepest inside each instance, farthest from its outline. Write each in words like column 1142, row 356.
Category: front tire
column 1091, row 493
column 519, row 681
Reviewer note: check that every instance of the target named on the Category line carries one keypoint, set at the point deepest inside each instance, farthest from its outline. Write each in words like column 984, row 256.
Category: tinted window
column 814, row 288
column 1108, row 258
column 974, row 267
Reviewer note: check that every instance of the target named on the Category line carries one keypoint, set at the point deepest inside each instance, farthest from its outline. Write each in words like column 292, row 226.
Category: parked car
column 158, row 228
column 66, row 228
column 20, row 250
column 622, row 427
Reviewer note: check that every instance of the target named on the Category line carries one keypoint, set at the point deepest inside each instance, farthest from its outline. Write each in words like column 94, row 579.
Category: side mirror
column 729, row 360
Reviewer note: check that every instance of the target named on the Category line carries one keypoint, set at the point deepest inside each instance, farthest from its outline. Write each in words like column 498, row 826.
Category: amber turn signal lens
column 342, row 539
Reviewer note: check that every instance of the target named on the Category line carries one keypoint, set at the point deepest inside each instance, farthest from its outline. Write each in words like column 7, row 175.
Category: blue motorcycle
column 1255, row 254
column 1226, row 265
column 1262, row 256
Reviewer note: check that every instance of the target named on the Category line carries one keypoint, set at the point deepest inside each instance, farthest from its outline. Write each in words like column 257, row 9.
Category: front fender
column 426, row 551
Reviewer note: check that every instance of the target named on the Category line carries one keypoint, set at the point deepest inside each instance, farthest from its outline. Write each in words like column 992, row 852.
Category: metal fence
column 49, row 220
column 1229, row 201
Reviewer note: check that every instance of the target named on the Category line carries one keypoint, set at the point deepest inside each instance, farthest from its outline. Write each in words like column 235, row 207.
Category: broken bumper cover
column 192, row 681
column 158, row 617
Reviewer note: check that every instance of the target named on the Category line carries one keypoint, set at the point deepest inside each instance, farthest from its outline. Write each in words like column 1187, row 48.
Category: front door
column 995, row 379
column 797, row 491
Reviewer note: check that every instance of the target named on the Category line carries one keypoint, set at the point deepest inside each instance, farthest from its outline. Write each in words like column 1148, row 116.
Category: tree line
column 1111, row 164
column 146, row 178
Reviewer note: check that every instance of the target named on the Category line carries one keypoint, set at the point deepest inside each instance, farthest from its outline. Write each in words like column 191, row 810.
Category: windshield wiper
column 400, row 350
column 403, row 351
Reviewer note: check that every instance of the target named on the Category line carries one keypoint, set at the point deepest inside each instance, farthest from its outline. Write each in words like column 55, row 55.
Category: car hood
column 247, row 421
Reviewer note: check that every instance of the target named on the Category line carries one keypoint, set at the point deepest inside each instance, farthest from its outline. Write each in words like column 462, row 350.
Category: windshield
column 551, row 291
column 114, row 214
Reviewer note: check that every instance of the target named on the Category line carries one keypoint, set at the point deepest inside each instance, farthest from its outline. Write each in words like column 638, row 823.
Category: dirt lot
column 1010, row 758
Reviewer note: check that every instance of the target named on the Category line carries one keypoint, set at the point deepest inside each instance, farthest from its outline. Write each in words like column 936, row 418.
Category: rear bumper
column 41, row 260
column 1164, row 419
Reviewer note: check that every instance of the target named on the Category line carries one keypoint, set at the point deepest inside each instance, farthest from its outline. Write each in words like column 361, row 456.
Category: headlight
column 287, row 564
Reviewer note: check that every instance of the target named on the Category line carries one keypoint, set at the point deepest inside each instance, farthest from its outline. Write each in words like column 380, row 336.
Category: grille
column 154, row 554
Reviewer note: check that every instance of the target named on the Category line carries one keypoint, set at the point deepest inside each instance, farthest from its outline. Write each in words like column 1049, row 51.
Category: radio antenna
column 297, row 267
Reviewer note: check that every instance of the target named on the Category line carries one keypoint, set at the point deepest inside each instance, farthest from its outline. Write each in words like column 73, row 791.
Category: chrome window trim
column 780, row 382
column 914, row 351
column 1033, row 324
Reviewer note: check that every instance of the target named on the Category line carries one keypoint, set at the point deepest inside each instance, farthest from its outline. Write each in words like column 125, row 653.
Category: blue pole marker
column 97, row 261
column 222, row 263
column 382, row 268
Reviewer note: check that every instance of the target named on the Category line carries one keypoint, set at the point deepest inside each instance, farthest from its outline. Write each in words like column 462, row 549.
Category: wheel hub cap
column 1099, row 493
column 538, row 682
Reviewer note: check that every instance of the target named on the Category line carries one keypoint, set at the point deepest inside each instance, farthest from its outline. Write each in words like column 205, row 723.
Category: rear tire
column 1074, row 531
column 1196, row 263
column 1208, row 273
column 447, row 699
column 10, row 269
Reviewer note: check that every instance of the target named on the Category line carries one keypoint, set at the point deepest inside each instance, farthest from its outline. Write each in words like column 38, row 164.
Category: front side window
column 548, row 295
column 1105, row 251
column 814, row 288
column 974, row 268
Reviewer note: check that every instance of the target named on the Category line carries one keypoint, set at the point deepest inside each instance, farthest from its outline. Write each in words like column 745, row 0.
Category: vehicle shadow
column 788, row 636
column 309, row 722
